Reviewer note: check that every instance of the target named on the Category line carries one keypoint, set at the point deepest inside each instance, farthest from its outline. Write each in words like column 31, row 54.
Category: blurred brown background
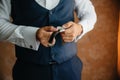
column 119, row 44
column 97, row 49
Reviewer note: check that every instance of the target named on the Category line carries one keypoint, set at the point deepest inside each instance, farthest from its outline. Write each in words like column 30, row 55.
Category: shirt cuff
column 29, row 34
column 25, row 36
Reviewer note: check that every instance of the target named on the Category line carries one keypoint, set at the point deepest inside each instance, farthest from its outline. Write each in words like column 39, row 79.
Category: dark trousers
column 69, row 70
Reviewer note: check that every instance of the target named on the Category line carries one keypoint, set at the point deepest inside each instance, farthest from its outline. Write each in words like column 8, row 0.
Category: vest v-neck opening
column 48, row 9
column 30, row 13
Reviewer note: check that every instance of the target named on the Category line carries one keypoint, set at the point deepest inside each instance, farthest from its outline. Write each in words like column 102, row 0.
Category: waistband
column 49, row 63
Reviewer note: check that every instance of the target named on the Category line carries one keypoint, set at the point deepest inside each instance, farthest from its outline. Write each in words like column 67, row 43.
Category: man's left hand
column 72, row 31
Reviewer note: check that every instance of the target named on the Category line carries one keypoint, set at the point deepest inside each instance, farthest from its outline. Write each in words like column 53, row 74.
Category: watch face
column 60, row 28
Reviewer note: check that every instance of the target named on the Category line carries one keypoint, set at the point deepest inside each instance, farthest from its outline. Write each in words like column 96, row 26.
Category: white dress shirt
column 25, row 36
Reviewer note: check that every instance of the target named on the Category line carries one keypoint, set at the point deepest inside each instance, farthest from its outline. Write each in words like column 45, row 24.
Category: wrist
column 80, row 29
column 37, row 35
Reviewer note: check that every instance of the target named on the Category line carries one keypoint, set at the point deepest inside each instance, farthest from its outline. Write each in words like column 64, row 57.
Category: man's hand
column 43, row 34
column 72, row 31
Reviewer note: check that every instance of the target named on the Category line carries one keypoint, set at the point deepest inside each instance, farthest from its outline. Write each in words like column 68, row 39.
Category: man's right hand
column 43, row 34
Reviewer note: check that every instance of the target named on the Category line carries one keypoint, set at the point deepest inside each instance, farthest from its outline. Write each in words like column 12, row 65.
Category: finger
column 44, row 43
column 67, row 25
column 68, row 39
column 64, row 37
column 50, row 28
column 45, row 36
column 68, row 35
column 69, row 30
column 47, row 44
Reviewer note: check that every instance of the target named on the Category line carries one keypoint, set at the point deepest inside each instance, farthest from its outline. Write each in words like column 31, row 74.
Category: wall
column 119, row 46
column 97, row 49
column 7, row 59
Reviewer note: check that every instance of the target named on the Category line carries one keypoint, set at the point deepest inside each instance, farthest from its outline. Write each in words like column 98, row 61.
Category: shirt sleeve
column 24, row 36
column 86, row 14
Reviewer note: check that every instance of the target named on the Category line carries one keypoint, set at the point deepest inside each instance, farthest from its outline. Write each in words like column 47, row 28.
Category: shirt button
column 31, row 46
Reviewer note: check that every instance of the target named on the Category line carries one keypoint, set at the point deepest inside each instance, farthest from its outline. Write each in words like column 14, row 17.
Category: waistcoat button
column 53, row 56
column 51, row 12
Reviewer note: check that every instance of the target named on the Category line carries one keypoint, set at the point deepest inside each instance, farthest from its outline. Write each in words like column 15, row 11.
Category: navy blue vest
column 30, row 13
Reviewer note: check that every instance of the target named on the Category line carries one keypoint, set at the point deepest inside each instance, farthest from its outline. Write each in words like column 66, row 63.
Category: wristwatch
column 54, row 34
